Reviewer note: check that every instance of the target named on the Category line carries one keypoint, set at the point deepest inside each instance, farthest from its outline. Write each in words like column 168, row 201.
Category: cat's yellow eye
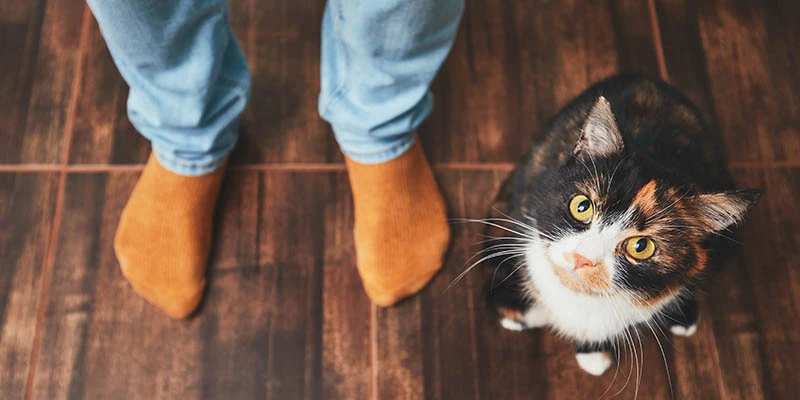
column 581, row 208
column 640, row 247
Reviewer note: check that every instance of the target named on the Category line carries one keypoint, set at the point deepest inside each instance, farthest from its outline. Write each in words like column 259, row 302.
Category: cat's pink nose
column 581, row 261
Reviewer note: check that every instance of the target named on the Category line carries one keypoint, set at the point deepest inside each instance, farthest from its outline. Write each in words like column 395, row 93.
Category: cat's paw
column 594, row 363
column 683, row 330
column 514, row 320
column 511, row 324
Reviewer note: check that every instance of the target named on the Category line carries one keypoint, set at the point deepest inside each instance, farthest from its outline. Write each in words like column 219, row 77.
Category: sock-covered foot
column 164, row 236
column 401, row 230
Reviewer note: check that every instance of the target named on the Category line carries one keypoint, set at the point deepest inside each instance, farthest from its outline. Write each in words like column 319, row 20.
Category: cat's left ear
column 600, row 136
column 718, row 211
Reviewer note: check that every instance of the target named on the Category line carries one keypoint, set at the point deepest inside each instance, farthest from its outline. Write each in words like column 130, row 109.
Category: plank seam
column 311, row 167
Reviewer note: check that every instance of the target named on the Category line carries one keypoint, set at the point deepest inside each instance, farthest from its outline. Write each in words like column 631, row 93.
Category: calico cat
column 614, row 216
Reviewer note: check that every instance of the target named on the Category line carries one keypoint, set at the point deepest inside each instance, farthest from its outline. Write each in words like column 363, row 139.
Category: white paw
column 683, row 331
column 535, row 317
column 511, row 325
column 594, row 363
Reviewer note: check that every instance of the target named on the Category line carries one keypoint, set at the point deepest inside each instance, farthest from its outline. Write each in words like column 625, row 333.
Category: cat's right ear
column 600, row 136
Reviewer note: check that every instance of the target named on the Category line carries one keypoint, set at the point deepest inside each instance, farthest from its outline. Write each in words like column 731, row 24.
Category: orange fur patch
column 514, row 315
column 645, row 198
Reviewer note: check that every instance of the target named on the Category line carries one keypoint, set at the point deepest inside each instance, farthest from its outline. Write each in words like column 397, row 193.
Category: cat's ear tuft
column 718, row 211
column 600, row 136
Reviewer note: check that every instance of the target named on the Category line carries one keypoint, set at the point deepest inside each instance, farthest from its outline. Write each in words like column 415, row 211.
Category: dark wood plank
column 475, row 356
column 57, row 69
column 515, row 64
column 731, row 314
column 450, row 343
column 292, row 243
column 399, row 345
column 695, row 361
column 20, row 26
column 26, row 207
column 346, row 317
column 772, row 270
column 281, row 40
column 102, row 133
column 782, row 25
column 236, row 316
column 748, row 57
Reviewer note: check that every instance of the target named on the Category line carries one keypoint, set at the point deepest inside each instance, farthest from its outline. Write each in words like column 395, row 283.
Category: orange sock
column 401, row 230
column 164, row 236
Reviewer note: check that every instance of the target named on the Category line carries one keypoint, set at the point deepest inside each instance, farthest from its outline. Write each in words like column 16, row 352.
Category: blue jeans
column 189, row 80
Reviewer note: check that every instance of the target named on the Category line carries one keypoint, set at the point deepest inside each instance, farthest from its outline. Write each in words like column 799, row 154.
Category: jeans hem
column 187, row 168
column 382, row 156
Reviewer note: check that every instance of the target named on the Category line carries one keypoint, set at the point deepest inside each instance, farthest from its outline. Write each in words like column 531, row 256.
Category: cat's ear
column 718, row 211
column 600, row 136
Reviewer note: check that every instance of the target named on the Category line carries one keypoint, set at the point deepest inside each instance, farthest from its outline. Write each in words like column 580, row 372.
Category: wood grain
column 20, row 28
column 55, row 79
column 102, row 133
column 26, row 208
column 747, row 60
column 515, row 64
column 281, row 40
column 261, row 329
column 773, row 274
column 450, row 340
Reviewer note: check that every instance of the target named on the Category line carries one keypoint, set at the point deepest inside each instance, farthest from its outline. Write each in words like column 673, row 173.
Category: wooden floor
column 285, row 316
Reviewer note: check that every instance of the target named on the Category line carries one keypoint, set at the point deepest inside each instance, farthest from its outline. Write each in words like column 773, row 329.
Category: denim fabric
column 187, row 75
column 189, row 81
column 378, row 60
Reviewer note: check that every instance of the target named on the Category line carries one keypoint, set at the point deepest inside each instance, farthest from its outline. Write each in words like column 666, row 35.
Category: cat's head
column 616, row 223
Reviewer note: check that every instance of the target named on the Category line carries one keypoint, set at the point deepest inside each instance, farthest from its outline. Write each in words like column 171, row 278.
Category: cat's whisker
column 592, row 175
column 617, row 355
column 608, row 186
column 491, row 238
column 516, row 253
column 510, row 240
column 494, row 275
column 502, row 246
column 637, row 358
column 487, row 222
column 596, row 174
column 517, row 267
column 663, row 356
column 629, row 345
column 519, row 223
column 655, row 216
column 710, row 232
column 639, row 363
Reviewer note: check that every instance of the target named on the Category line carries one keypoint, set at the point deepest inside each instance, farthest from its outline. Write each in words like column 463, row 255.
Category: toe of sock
column 390, row 293
column 177, row 304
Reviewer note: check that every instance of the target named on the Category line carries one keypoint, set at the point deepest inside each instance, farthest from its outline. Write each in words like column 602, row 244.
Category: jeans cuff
column 382, row 156
column 186, row 168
